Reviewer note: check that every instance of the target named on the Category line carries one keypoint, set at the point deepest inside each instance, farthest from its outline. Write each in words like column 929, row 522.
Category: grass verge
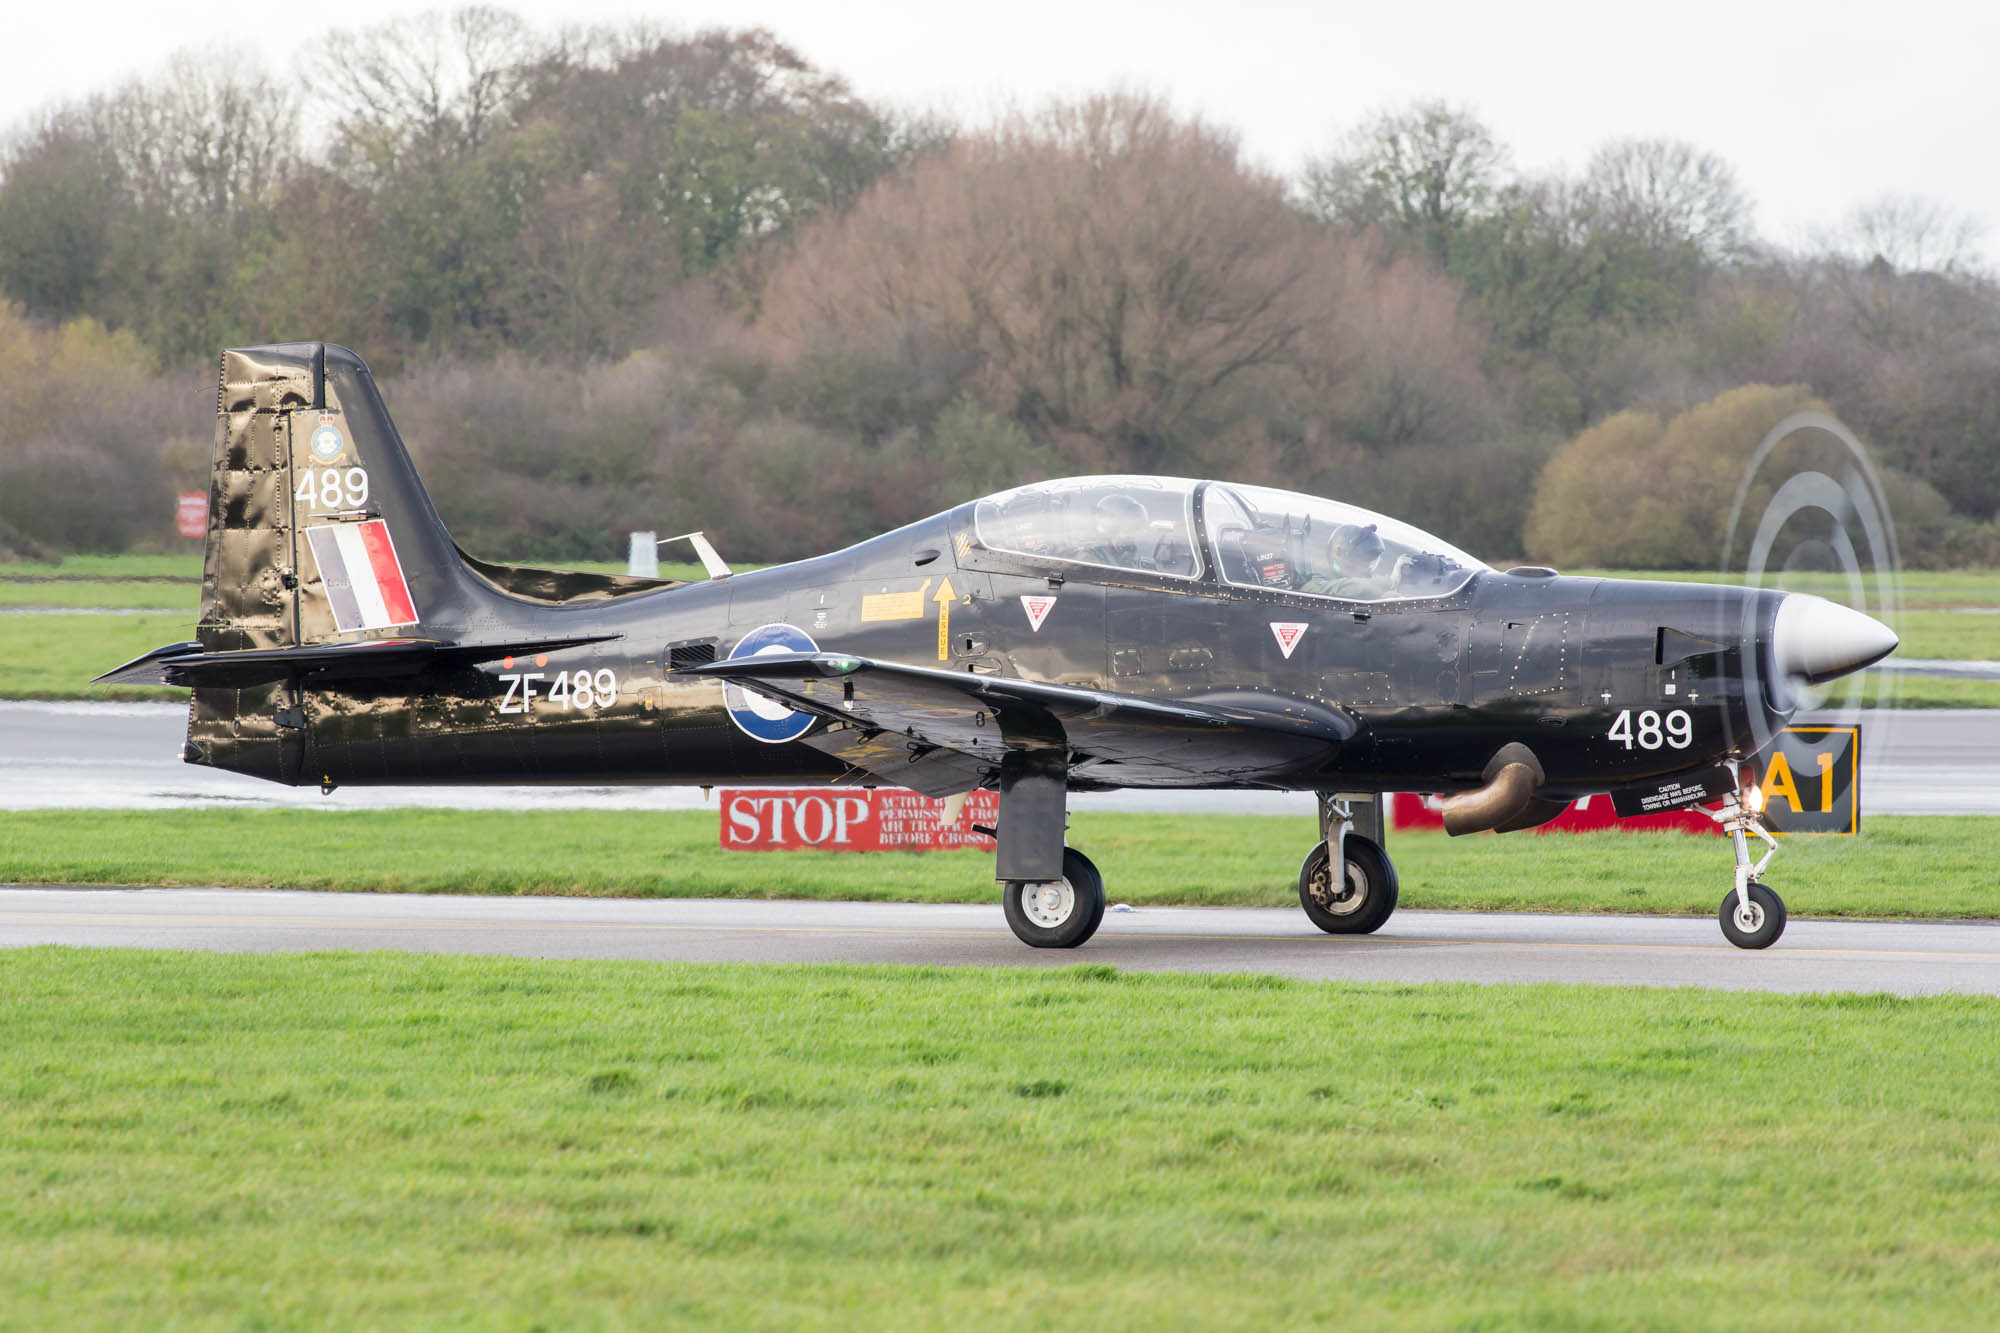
column 1244, row 860
column 180, row 566
column 1949, row 634
column 362, row 1140
column 102, row 594
column 1946, row 692
column 56, row 656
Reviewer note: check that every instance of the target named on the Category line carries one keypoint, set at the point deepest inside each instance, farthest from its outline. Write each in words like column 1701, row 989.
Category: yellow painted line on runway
column 404, row 923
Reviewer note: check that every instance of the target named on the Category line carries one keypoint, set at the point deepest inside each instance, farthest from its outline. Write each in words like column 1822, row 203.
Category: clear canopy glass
column 1268, row 538
column 1137, row 523
column 1256, row 536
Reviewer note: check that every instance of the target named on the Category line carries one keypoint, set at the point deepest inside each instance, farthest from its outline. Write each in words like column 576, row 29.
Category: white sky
column 1821, row 105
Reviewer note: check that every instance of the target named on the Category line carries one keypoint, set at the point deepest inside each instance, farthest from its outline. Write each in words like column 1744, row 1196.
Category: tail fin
column 319, row 532
column 327, row 560
column 319, row 527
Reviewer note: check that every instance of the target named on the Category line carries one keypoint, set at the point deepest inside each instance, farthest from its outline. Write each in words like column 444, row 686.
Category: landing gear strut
column 1052, row 894
column 1752, row 915
column 1359, row 898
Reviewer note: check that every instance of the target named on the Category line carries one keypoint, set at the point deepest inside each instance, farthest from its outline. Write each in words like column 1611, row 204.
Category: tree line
column 630, row 278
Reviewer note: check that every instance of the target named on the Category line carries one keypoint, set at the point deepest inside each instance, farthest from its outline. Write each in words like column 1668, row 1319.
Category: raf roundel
column 326, row 442
column 757, row 716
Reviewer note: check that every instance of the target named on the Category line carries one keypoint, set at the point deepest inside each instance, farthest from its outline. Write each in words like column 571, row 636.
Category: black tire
column 1362, row 902
column 1061, row 920
column 1765, row 919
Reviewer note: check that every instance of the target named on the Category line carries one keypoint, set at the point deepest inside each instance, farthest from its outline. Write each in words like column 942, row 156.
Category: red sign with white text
column 191, row 513
column 850, row 819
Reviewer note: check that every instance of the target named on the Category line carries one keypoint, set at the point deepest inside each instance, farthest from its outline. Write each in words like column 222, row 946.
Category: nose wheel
column 1056, row 913
column 1752, row 915
column 1752, row 920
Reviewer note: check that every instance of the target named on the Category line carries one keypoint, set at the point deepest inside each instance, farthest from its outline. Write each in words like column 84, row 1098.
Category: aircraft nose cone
column 1820, row 640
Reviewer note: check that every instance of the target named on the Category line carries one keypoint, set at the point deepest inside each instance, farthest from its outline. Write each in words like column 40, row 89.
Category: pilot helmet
column 1120, row 520
column 1354, row 548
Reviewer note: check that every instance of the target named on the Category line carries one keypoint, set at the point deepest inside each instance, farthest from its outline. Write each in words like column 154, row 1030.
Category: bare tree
column 437, row 82
column 1911, row 235
column 1119, row 281
column 208, row 137
column 1111, row 269
column 1425, row 170
column 1667, row 193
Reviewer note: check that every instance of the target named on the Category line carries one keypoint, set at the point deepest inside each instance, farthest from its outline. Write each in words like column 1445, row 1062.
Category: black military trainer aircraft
column 1074, row 635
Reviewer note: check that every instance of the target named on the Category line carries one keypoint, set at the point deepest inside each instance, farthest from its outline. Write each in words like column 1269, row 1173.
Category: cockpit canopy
column 1251, row 536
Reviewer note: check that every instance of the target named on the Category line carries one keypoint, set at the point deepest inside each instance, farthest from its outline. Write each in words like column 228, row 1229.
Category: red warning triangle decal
column 1038, row 609
column 1289, row 633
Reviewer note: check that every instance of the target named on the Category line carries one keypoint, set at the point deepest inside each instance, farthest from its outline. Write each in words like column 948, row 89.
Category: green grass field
column 56, row 656
column 339, row 1141
column 182, row 566
column 103, row 594
column 1146, row 859
column 1954, row 634
column 1945, row 692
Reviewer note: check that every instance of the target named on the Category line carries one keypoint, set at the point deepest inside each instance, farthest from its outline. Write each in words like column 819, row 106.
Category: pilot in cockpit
column 1119, row 525
column 1353, row 559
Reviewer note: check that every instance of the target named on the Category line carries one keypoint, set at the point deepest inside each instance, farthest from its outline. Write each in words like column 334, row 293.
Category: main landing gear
column 1359, row 899
column 1052, row 894
column 1056, row 913
column 1752, row 915
column 1054, row 897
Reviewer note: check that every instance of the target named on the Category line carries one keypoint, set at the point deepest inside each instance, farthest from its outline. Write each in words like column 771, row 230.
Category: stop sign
column 191, row 513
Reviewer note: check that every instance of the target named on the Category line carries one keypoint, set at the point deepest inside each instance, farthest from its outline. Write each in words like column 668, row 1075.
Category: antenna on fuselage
column 703, row 548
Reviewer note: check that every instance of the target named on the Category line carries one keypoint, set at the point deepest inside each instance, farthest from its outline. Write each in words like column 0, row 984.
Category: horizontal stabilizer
column 186, row 663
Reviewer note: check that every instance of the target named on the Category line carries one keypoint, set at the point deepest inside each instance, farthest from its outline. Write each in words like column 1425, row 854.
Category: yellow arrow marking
column 944, row 597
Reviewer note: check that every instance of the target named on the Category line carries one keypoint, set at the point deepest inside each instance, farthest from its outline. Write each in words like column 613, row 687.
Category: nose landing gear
column 1752, row 915
column 1754, row 918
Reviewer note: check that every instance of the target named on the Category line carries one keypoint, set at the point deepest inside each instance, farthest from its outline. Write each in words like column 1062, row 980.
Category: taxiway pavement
column 1907, row 958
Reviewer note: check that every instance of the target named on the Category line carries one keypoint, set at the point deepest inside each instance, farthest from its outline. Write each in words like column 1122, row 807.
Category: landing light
column 1753, row 798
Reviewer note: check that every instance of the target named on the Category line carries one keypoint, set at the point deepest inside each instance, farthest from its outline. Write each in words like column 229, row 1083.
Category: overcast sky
column 1821, row 105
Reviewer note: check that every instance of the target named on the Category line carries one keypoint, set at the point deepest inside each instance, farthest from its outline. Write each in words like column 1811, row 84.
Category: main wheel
column 1360, row 901
column 1755, row 924
column 1056, row 913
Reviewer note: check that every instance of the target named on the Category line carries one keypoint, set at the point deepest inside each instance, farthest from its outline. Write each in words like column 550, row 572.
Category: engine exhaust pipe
column 1511, row 776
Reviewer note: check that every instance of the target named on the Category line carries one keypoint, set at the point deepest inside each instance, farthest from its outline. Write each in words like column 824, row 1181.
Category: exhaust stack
column 1511, row 776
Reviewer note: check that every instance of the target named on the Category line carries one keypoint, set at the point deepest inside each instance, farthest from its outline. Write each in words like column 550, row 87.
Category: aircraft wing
column 944, row 731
